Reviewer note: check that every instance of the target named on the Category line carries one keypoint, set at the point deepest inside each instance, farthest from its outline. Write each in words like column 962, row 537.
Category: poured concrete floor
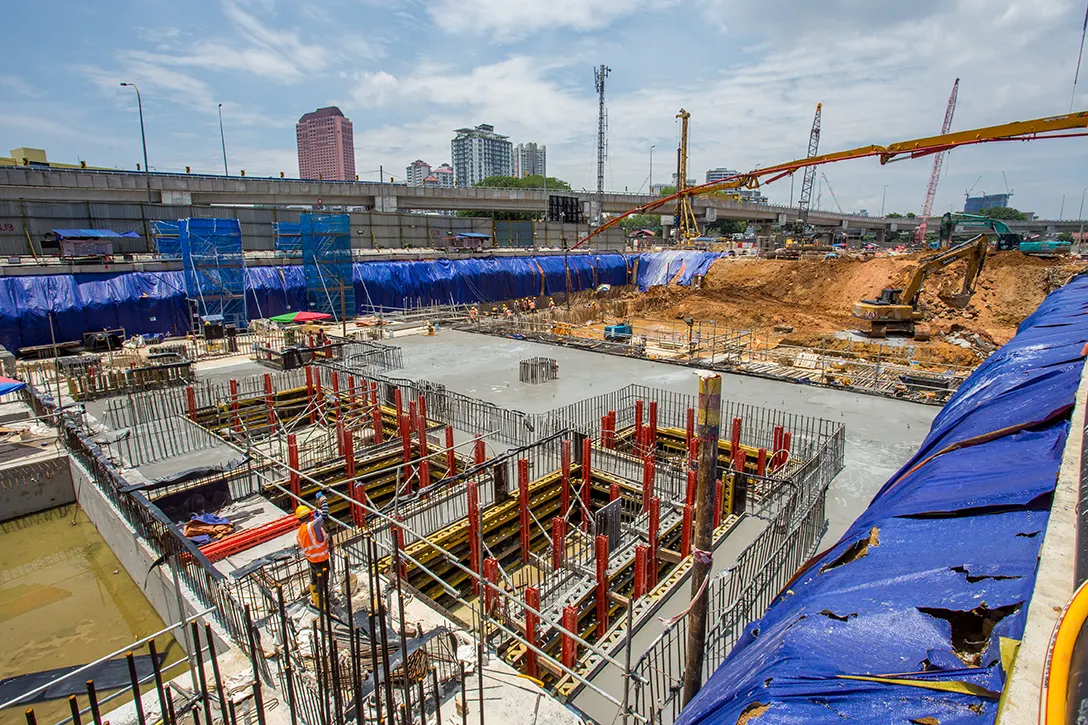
column 881, row 433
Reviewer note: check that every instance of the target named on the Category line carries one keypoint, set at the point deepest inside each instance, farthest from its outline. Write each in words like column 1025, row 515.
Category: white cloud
column 17, row 85
column 510, row 20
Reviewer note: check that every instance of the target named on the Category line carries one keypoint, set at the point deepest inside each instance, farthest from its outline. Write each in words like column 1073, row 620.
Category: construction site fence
column 741, row 594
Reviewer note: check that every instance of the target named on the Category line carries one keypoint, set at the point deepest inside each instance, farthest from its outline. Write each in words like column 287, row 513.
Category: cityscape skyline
column 526, row 68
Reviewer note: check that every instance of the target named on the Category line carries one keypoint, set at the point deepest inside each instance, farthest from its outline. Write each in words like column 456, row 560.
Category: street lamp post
column 1080, row 215
column 223, row 141
column 882, row 198
column 651, row 189
column 143, row 138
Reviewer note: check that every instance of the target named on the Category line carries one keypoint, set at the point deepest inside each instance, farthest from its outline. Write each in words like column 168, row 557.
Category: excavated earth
column 809, row 302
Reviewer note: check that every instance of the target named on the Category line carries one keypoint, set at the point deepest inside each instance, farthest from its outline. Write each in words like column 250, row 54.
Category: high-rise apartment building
column 444, row 176
column 530, row 160
column 416, row 172
column 719, row 173
column 326, row 149
column 479, row 153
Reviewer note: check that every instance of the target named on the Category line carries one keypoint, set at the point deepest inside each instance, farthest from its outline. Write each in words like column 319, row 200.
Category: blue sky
column 407, row 73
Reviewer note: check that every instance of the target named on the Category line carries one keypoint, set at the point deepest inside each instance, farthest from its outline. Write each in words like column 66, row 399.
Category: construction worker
column 532, row 306
column 551, row 304
column 473, row 313
column 314, row 542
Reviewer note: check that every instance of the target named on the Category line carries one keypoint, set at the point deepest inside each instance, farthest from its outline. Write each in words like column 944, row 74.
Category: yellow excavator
column 896, row 310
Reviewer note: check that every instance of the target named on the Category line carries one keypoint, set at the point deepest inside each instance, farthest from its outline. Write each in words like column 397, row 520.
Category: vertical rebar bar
column 253, row 653
column 215, row 671
column 73, row 705
column 201, row 673
column 137, row 701
column 158, row 680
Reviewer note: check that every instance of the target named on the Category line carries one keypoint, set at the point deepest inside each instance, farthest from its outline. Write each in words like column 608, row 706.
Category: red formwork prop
column 565, row 468
column 190, row 401
column 654, row 529
column 479, row 453
column 559, row 538
column 613, row 492
column 689, row 441
column 761, row 462
column 248, row 538
column 523, row 506
column 268, row 401
column 319, row 393
column 532, row 598
column 491, row 593
column 586, row 477
column 398, row 402
column 776, row 446
column 604, row 431
column 570, row 645
column 399, row 543
column 648, row 472
column 406, row 449
column 423, row 411
column 424, row 474
column 601, row 551
column 786, row 439
column 689, row 494
column 336, row 392
column 611, row 429
column 310, row 393
column 451, row 460
column 339, row 436
column 294, row 479
column 719, row 489
column 734, row 439
column 638, row 425
column 373, row 393
column 642, row 553
column 235, row 422
column 359, row 494
column 351, row 390
column 740, row 463
column 413, row 417
column 474, row 534
column 685, row 533
column 653, row 425
column 422, row 435
column 376, row 424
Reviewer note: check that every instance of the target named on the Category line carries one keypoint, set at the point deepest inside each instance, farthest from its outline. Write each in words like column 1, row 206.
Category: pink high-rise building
column 325, row 146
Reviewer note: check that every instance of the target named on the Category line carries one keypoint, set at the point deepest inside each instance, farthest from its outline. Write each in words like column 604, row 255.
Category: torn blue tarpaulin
column 919, row 593
column 656, row 269
column 93, row 234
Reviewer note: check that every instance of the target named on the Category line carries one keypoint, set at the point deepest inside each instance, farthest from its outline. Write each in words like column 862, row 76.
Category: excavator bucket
column 959, row 301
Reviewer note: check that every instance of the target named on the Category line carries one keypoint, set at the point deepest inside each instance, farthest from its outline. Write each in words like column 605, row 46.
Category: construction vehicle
column 618, row 333
column 1007, row 239
column 896, row 310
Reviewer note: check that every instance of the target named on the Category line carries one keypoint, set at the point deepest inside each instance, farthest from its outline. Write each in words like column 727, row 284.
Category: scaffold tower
column 326, row 259
column 215, row 269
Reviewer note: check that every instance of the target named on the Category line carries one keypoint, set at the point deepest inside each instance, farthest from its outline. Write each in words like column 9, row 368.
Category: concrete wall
column 39, row 482
column 137, row 557
column 369, row 230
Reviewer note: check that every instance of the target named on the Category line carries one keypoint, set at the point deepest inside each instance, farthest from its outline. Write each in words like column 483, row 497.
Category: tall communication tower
column 599, row 74
column 810, row 171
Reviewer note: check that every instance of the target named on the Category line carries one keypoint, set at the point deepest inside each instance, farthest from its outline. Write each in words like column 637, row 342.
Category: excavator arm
column 973, row 250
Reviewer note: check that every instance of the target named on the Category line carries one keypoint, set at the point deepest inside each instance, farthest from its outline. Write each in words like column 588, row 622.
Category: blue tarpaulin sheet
column 92, row 234
column 677, row 267
column 923, row 586
column 154, row 302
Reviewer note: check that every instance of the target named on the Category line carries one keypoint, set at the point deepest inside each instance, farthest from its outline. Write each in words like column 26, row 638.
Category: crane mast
column 938, row 162
column 599, row 74
column 810, row 172
column 686, row 226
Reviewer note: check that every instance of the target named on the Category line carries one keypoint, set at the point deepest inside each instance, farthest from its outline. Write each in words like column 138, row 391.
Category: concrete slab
column 881, row 433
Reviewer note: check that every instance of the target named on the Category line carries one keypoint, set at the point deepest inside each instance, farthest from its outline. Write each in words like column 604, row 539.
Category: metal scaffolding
column 215, row 269
column 326, row 259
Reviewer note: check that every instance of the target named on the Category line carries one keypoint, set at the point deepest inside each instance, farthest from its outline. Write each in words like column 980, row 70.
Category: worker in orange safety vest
column 314, row 542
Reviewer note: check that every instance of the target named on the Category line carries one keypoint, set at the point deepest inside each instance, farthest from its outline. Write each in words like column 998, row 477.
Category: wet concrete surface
column 65, row 600
column 881, row 433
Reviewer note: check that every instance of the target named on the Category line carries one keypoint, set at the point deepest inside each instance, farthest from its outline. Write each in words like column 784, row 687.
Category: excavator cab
column 888, row 296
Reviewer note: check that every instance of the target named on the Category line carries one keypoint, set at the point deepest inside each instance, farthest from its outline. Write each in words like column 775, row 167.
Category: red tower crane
column 938, row 161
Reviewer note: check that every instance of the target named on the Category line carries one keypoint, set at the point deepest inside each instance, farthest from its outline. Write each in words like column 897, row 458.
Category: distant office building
column 530, row 160
column 326, row 149
column 444, row 176
column 656, row 189
column 975, row 204
column 719, row 174
column 691, row 182
column 416, row 172
column 479, row 153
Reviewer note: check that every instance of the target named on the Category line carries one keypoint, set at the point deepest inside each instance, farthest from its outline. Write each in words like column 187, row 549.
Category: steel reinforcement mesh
column 326, row 261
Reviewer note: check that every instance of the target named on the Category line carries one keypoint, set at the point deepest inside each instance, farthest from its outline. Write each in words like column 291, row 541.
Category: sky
column 409, row 72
